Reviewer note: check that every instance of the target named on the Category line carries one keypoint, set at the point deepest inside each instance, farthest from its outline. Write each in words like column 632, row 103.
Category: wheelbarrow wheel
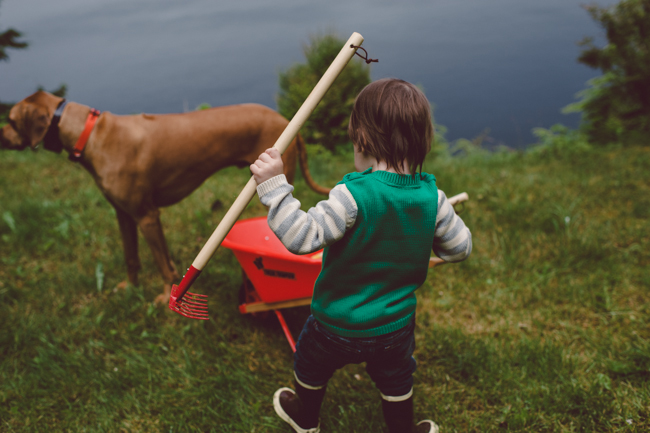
column 247, row 294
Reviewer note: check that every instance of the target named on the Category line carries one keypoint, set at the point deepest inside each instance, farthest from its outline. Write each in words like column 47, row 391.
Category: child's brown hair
column 391, row 121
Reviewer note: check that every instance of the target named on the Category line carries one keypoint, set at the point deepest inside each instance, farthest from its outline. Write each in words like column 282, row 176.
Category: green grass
column 545, row 328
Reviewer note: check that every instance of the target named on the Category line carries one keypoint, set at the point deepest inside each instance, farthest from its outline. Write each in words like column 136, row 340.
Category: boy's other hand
column 268, row 165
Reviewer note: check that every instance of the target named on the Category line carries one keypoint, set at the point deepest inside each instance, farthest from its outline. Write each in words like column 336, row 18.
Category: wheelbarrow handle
column 458, row 198
column 290, row 132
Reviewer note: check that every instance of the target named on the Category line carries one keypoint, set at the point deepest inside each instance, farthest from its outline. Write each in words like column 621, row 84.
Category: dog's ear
column 36, row 121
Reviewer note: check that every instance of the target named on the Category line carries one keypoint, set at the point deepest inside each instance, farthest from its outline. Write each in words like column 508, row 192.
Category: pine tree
column 9, row 39
column 616, row 105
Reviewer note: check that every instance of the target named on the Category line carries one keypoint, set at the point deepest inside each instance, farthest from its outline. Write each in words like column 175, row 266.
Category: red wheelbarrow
column 274, row 278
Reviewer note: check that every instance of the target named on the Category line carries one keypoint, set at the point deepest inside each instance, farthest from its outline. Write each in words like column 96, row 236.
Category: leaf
column 9, row 219
column 99, row 276
column 63, row 229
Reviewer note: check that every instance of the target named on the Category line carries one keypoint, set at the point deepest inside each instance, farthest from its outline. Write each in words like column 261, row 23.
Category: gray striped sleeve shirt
column 452, row 240
column 306, row 232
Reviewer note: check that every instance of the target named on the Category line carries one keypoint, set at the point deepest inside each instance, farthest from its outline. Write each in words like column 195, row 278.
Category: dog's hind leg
column 129, row 231
column 153, row 233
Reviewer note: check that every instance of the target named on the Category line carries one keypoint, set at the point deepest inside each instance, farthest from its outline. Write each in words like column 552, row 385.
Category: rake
column 195, row 306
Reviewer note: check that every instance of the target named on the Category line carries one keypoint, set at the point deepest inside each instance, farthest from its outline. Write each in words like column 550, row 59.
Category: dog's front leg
column 153, row 233
column 129, row 232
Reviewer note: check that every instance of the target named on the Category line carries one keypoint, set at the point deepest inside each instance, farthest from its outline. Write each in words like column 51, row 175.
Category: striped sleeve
column 452, row 240
column 306, row 232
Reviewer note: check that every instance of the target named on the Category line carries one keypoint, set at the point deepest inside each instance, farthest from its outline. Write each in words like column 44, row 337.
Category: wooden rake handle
column 281, row 144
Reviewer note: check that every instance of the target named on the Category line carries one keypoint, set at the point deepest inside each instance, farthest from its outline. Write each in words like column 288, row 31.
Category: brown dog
column 143, row 162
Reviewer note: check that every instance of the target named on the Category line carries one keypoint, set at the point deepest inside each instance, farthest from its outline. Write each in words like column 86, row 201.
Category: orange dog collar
column 83, row 138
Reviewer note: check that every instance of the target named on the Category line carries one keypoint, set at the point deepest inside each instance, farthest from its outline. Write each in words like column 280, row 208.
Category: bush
column 328, row 124
column 616, row 106
column 559, row 141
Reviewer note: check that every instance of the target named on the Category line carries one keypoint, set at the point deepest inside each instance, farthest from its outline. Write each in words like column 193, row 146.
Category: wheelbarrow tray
column 279, row 277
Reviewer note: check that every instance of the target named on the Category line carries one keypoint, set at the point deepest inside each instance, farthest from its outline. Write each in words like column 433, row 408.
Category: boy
column 378, row 228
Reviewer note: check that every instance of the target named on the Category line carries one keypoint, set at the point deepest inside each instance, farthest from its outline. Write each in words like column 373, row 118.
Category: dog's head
column 29, row 121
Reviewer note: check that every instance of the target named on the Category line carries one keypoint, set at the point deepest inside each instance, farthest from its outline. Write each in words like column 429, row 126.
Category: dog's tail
column 302, row 159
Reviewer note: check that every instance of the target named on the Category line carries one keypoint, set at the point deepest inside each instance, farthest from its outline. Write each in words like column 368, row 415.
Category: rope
column 368, row 61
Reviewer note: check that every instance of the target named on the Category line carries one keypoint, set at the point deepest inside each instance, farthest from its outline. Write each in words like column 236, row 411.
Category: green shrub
column 559, row 141
column 328, row 124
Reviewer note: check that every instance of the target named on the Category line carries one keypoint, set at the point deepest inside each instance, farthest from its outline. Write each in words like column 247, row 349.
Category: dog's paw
column 121, row 286
column 162, row 300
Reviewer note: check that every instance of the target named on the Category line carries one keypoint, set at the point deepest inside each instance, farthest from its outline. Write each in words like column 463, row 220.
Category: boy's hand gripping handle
column 196, row 308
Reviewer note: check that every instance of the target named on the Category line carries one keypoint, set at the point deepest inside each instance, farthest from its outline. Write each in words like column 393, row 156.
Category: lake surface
column 506, row 65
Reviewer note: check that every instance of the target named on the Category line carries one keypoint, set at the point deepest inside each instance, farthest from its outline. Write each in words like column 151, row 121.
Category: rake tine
column 194, row 313
column 192, row 316
column 193, row 305
column 189, row 297
column 188, row 312
column 194, row 297
column 197, row 309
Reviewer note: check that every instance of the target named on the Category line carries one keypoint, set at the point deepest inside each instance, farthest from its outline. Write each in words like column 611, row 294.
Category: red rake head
column 191, row 305
column 186, row 303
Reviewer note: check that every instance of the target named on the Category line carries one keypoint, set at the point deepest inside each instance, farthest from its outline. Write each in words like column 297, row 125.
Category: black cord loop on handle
column 368, row 61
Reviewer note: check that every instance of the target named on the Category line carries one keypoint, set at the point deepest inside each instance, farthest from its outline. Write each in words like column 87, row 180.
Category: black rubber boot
column 398, row 415
column 311, row 401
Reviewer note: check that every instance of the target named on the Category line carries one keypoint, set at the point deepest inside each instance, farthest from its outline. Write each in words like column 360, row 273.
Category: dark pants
column 388, row 357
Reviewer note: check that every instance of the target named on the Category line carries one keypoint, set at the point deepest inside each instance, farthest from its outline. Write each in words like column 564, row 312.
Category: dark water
column 506, row 65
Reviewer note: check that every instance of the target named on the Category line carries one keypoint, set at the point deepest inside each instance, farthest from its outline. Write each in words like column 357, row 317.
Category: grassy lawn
column 545, row 328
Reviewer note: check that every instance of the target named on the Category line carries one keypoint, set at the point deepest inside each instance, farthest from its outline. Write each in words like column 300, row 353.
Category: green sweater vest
column 367, row 284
